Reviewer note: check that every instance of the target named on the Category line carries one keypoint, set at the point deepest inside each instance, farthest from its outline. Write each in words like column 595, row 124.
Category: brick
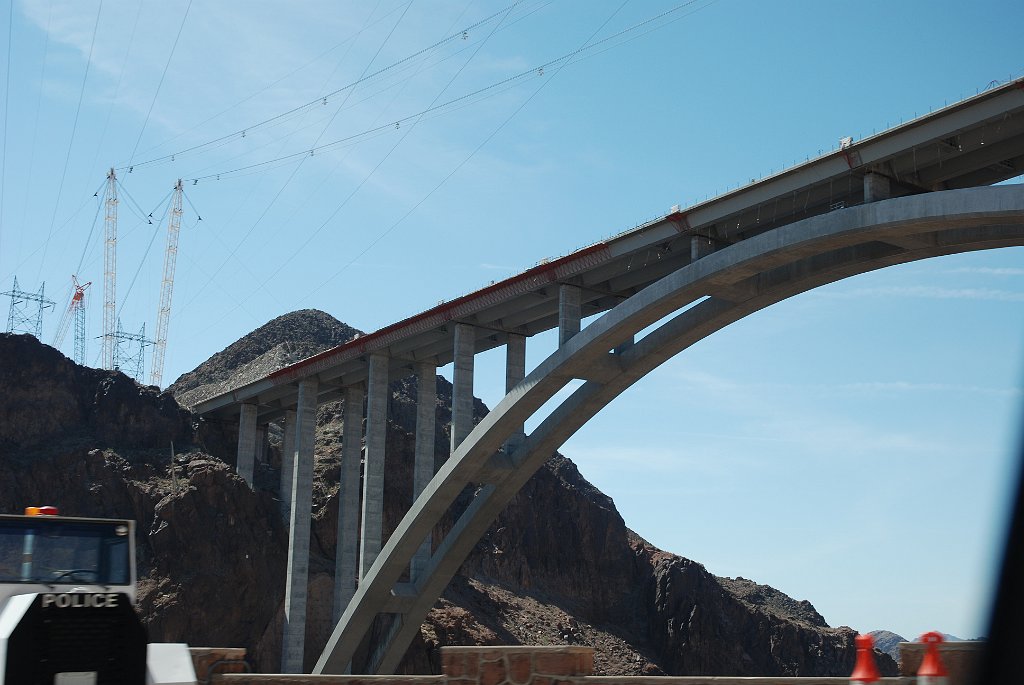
column 557, row 663
column 492, row 654
column 460, row 681
column 492, row 672
column 452, row 665
column 585, row 662
column 519, row 668
column 459, row 664
column 205, row 657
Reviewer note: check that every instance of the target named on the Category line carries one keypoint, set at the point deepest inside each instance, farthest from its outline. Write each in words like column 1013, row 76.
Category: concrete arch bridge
column 920, row 190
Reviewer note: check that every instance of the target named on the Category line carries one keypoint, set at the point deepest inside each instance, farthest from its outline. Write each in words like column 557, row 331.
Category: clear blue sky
column 851, row 446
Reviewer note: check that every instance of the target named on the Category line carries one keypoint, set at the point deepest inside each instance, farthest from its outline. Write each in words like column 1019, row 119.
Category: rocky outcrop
column 888, row 642
column 218, row 559
column 52, row 404
column 558, row 566
column 277, row 343
column 701, row 627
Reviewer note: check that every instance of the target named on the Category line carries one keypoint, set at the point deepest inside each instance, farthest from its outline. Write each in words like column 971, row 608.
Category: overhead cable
column 161, row 83
column 74, row 128
column 369, row 175
column 538, row 70
column 270, row 85
column 7, row 100
column 468, row 157
column 319, row 100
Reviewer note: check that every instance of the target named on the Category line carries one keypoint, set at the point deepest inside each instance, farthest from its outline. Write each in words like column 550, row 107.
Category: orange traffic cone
column 932, row 672
column 865, row 671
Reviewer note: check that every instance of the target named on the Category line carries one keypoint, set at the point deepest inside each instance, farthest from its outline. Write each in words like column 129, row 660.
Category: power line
column 319, row 100
column 537, row 70
column 291, row 73
column 88, row 238
column 35, row 116
column 232, row 251
column 7, row 99
column 74, row 129
column 161, row 83
column 468, row 157
column 295, row 171
column 355, row 190
column 586, row 46
column 139, row 211
column 142, row 261
column 117, row 89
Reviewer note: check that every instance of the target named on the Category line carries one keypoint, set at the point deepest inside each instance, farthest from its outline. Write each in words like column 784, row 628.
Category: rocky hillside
column 207, row 542
column 277, row 343
column 888, row 642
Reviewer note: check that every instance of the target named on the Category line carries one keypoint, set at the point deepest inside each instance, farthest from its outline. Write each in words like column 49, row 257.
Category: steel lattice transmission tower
column 163, row 316
column 76, row 312
column 130, row 351
column 110, row 323
column 20, row 318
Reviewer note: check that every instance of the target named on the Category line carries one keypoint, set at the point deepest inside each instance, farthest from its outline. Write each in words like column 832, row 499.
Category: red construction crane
column 75, row 312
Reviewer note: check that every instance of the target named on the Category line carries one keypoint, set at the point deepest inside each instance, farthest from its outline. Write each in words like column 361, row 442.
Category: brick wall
column 562, row 665
column 960, row 659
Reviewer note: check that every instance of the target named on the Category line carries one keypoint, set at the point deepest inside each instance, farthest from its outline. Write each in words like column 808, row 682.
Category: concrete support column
column 297, row 573
column 700, row 246
column 570, row 312
column 346, row 560
column 462, row 384
column 876, row 187
column 373, row 470
column 244, row 465
column 287, row 464
column 423, row 469
column 261, row 444
column 515, row 371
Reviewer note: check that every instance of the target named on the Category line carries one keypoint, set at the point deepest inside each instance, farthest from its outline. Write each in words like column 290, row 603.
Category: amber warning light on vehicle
column 41, row 511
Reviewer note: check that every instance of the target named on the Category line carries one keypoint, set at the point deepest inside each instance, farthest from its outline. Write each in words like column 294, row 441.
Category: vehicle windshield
column 55, row 551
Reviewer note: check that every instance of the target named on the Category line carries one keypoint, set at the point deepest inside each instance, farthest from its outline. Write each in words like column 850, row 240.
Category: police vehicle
column 67, row 615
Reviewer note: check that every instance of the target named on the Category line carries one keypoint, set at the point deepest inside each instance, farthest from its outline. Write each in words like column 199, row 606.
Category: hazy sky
column 851, row 446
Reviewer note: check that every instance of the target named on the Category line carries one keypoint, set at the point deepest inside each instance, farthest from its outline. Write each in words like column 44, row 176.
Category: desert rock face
column 558, row 566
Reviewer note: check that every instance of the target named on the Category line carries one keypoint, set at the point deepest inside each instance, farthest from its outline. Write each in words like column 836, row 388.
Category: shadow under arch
column 712, row 293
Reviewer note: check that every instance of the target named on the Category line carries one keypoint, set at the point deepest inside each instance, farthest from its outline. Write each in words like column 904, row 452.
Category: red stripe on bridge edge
column 539, row 275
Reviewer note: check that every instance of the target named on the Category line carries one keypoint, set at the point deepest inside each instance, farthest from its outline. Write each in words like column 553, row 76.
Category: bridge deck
column 978, row 141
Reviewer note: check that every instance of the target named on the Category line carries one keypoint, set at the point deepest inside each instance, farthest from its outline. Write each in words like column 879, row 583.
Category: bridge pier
column 876, row 187
column 462, row 383
column 261, row 443
column 570, row 312
column 423, row 468
column 287, row 464
column 515, row 372
column 297, row 575
column 373, row 471
column 700, row 246
column 244, row 464
column 346, row 560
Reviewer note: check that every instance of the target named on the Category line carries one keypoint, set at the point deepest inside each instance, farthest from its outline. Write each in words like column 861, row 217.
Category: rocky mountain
column 211, row 551
column 888, row 642
column 277, row 343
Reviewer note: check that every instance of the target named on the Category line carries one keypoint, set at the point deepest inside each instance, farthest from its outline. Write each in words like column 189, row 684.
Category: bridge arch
column 687, row 306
